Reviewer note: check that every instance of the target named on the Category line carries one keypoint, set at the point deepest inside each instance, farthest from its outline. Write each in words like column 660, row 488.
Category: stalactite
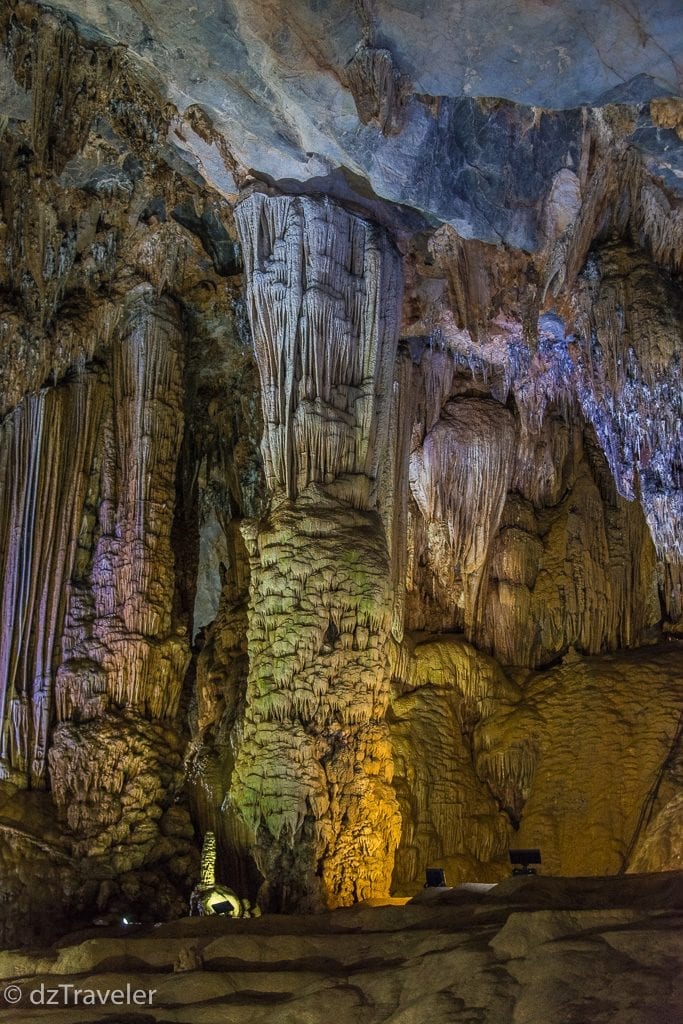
column 394, row 491
column 630, row 383
column 120, row 644
column 506, row 526
column 47, row 59
column 547, row 453
column 653, row 220
column 94, row 646
column 46, row 455
column 459, row 478
column 116, row 759
column 317, row 273
column 576, row 561
column 376, row 86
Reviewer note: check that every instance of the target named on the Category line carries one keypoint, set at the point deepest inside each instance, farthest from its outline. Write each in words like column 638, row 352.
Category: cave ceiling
column 366, row 100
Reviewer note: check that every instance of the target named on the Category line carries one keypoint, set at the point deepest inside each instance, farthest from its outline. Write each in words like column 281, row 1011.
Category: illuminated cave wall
column 353, row 541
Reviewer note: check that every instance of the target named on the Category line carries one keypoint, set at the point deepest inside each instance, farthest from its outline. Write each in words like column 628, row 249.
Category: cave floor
column 576, row 951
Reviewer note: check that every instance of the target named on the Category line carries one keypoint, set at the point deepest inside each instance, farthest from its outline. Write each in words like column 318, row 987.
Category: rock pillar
column 313, row 768
column 116, row 755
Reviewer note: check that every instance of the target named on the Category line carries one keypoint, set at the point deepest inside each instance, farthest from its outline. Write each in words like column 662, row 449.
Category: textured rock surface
column 517, row 534
column 314, row 93
column 631, row 384
column 576, row 783
column 524, row 762
column 102, row 289
column 324, row 291
column 435, row 612
column 48, row 447
column 312, row 766
column 450, row 818
column 571, row 949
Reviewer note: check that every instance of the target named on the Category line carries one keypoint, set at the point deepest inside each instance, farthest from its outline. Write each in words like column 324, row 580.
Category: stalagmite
column 313, row 766
column 340, row 455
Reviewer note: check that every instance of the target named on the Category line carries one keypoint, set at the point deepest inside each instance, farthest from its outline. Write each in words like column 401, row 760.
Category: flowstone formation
column 519, row 760
column 48, row 444
column 312, row 774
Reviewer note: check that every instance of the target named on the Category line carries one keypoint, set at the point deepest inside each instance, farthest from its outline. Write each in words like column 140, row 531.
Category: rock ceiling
column 356, row 98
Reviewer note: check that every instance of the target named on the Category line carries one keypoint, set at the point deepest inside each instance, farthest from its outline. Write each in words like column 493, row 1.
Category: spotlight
column 223, row 908
column 436, row 879
column 521, row 859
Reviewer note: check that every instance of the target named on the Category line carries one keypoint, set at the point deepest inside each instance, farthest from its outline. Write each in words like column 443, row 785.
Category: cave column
column 313, row 768
column 116, row 755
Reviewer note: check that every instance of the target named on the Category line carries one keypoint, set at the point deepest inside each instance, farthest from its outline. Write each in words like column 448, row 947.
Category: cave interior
column 341, row 458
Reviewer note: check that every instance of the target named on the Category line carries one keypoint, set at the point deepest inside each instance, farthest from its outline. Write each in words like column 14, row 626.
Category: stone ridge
column 531, row 950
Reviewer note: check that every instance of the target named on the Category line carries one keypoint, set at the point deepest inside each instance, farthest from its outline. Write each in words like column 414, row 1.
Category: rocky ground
column 531, row 950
